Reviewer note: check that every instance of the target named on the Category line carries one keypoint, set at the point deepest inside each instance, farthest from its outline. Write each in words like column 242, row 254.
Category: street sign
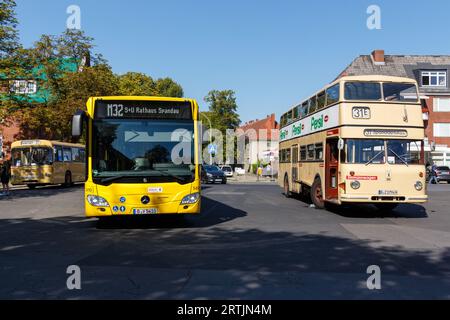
column 212, row 149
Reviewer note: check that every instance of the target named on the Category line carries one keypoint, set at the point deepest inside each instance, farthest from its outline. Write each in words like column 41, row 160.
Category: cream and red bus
column 43, row 162
column 358, row 140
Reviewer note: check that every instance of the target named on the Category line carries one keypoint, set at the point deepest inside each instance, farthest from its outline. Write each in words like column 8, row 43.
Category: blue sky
column 271, row 53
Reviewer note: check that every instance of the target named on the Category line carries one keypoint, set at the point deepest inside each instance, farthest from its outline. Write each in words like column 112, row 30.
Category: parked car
column 443, row 174
column 213, row 174
column 239, row 171
column 227, row 170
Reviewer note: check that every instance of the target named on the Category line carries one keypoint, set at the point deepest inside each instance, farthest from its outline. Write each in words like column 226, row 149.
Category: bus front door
column 331, row 169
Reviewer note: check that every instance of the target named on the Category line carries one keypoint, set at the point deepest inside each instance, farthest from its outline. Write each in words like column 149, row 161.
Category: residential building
column 262, row 142
column 432, row 74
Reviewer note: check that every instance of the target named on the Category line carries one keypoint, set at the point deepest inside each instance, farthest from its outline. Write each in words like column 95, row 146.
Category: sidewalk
column 251, row 179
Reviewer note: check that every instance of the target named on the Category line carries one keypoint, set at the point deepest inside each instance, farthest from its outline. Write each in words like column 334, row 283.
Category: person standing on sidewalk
column 5, row 175
column 260, row 172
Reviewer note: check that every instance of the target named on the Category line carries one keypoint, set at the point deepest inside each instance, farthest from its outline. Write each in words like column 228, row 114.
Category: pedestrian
column 433, row 179
column 260, row 172
column 5, row 175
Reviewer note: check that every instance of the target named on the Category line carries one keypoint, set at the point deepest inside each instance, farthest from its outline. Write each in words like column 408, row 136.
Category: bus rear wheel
column 31, row 186
column 317, row 194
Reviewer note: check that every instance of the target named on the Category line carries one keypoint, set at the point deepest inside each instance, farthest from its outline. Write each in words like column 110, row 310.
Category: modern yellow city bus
column 143, row 156
column 42, row 162
column 359, row 140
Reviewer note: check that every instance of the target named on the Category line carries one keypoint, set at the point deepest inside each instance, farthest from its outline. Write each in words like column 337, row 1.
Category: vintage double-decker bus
column 359, row 140
column 142, row 155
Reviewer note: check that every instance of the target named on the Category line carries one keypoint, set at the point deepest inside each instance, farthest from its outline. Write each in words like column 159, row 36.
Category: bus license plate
column 145, row 211
column 387, row 192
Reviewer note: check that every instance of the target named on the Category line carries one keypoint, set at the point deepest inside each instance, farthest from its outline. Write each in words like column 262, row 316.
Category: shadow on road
column 363, row 211
column 240, row 262
column 213, row 213
column 41, row 192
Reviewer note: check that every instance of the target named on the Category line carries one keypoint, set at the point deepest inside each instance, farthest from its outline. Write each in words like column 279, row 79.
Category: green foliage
column 8, row 28
column 136, row 84
column 166, row 87
column 222, row 110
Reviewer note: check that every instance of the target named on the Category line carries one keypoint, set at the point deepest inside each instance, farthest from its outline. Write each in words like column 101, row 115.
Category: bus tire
column 386, row 207
column 317, row 194
column 68, row 179
column 31, row 186
column 287, row 193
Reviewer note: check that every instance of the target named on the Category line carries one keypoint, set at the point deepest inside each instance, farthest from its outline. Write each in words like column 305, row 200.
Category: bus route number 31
column 361, row 113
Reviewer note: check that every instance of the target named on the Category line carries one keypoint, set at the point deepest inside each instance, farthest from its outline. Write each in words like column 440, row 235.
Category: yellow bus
column 43, row 162
column 143, row 156
column 358, row 140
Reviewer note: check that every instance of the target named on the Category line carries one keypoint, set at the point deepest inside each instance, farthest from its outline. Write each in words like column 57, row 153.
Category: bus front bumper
column 173, row 208
column 399, row 199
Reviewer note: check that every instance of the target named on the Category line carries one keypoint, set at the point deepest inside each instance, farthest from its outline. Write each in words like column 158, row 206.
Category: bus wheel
column 287, row 193
column 386, row 207
column 68, row 179
column 31, row 186
column 317, row 194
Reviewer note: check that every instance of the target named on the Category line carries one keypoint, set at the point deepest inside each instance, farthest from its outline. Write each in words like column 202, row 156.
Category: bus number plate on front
column 145, row 211
column 361, row 113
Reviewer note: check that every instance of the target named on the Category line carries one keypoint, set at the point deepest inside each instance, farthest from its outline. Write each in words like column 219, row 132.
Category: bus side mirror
column 77, row 124
column 341, row 144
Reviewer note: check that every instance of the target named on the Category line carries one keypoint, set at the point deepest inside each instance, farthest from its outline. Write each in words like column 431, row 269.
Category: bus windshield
column 403, row 152
column 32, row 156
column 142, row 150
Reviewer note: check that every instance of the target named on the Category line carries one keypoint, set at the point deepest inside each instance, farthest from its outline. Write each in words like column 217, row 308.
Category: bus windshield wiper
column 400, row 158
column 376, row 156
column 166, row 174
column 111, row 179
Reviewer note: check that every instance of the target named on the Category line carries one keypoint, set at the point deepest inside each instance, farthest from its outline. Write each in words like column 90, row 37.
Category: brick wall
column 436, row 117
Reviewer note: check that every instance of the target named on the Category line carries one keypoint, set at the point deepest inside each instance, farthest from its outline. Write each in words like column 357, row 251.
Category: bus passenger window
column 312, row 105
column 304, row 109
column 311, row 152
column 59, row 154
column 319, row 151
column 303, row 153
column 333, row 95
column 321, row 100
column 67, row 154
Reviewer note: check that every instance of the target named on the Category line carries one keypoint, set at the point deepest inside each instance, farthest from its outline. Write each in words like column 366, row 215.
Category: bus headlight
column 191, row 199
column 419, row 186
column 97, row 201
column 355, row 185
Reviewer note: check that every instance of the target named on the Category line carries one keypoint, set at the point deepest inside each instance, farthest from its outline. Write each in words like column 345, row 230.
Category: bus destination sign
column 139, row 109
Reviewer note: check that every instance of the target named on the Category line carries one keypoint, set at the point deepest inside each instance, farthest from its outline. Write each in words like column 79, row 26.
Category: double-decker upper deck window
column 321, row 100
column 312, row 105
column 400, row 92
column 434, row 78
column 363, row 91
column 333, row 95
column 296, row 113
column 304, row 109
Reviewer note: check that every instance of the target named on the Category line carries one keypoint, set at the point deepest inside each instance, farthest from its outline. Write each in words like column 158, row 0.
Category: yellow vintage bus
column 358, row 140
column 43, row 162
column 143, row 156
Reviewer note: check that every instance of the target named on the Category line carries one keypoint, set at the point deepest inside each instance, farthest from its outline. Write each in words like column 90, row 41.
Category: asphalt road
column 249, row 243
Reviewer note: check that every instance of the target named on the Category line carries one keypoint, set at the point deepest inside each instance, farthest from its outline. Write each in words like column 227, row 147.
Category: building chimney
column 378, row 57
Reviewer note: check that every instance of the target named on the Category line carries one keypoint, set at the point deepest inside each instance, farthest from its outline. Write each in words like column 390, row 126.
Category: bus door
column 331, row 169
column 58, row 165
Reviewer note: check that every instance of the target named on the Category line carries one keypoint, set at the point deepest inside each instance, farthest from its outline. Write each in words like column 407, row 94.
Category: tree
column 136, row 84
column 166, row 87
column 222, row 110
column 8, row 28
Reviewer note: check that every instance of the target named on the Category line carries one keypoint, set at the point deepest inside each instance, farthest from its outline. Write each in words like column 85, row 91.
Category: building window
column 441, row 130
column 434, row 78
column 23, row 86
column 441, row 104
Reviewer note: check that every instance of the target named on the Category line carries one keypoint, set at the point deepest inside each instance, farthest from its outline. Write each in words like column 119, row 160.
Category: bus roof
column 143, row 98
column 43, row 142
